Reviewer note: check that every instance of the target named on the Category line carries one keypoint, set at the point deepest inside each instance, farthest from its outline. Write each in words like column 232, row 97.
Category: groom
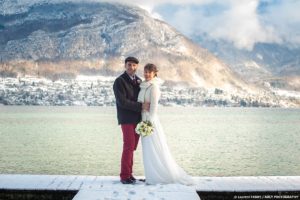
column 126, row 89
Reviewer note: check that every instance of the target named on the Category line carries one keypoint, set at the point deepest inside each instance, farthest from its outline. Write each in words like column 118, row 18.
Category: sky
column 242, row 22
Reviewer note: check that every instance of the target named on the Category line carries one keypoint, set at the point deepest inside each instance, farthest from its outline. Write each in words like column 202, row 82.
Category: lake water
column 204, row 141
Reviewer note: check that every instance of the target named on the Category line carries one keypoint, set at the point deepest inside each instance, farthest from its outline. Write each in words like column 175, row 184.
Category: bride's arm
column 154, row 98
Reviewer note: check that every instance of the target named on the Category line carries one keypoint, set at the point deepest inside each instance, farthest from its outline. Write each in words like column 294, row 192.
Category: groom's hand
column 146, row 106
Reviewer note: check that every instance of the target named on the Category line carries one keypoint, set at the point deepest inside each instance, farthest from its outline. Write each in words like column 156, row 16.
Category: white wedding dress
column 159, row 165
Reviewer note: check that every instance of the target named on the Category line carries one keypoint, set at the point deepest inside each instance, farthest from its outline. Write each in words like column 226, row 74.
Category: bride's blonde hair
column 152, row 68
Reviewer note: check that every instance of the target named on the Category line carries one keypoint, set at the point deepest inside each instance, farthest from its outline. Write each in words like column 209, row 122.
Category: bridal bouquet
column 144, row 128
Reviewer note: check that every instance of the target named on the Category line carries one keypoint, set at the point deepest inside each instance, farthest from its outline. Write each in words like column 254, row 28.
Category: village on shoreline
column 97, row 91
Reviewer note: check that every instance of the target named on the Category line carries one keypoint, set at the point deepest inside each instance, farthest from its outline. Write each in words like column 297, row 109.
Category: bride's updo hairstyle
column 152, row 68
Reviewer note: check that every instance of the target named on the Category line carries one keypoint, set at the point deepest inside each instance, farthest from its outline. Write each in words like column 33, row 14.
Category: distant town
column 97, row 91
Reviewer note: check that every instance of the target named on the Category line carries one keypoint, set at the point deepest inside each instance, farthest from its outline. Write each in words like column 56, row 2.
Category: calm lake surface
column 204, row 141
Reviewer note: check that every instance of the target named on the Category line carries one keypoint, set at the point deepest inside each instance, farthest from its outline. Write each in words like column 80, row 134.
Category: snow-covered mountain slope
column 67, row 38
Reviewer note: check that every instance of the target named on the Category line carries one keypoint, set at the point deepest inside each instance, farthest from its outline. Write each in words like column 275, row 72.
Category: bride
column 159, row 165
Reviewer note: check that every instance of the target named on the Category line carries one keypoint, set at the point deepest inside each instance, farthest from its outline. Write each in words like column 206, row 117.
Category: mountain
column 63, row 39
column 276, row 65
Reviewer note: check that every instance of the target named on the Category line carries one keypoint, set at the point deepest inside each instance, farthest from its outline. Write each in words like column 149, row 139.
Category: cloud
column 284, row 17
column 241, row 25
column 153, row 3
column 242, row 22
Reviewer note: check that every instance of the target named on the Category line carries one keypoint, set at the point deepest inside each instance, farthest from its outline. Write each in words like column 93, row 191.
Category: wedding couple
column 136, row 101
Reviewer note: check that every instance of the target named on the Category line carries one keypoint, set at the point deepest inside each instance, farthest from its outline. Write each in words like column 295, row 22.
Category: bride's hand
column 146, row 106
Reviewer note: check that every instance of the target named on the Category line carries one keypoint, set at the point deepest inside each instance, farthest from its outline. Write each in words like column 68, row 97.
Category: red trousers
column 130, row 142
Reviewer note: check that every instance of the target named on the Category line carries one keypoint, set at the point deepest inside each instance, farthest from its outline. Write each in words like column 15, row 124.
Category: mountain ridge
column 73, row 37
column 275, row 64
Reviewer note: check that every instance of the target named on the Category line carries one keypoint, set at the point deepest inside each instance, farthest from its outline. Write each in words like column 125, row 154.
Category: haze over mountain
column 63, row 39
column 258, row 39
column 273, row 64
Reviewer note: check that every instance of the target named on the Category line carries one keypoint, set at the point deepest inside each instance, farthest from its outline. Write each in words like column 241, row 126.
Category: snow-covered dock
column 109, row 187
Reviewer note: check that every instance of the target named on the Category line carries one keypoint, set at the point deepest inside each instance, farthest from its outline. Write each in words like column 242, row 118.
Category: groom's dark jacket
column 126, row 93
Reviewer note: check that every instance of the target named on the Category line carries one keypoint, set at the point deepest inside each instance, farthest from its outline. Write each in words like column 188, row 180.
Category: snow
column 259, row 56
column 97, row 91
column 98, row 187
column 199, row 80
column 139, row 191
column 182, row 49
column 287, row 93
column 252, row 64
column 95, row 78
column 109, row 187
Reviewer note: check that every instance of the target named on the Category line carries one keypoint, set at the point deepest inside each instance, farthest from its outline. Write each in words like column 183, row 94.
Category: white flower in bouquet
column 144, row 128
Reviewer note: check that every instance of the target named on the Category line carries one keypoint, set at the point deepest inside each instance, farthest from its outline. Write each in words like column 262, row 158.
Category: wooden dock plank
column 88, row 182
column 141, row 191
column 293, row 180
column 111, row 186
column 202, row 184
column 248, row 183
column 275, row 185
column 23, row 182
column 76, row 183
column 226, row 184
column 56, row 182
column 266, row 184
column 65, row 182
